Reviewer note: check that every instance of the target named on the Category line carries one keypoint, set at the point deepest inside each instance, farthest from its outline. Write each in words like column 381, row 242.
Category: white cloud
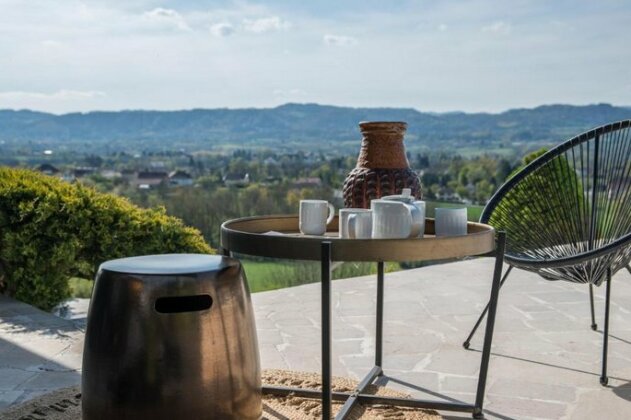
column 168, row 18
column 59, row 95
column 222, row 29
column 51, row 43
column 267, row 24
column 340, row 40
column 442, row 27
column 498, row 27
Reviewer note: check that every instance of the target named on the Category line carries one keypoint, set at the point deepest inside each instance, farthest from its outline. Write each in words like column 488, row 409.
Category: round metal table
column 279, row 237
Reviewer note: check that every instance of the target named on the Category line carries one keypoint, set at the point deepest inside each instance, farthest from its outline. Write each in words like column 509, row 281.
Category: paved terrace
column 545, row 362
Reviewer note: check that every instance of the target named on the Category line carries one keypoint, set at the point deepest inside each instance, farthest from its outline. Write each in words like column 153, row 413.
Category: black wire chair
column 567, row 214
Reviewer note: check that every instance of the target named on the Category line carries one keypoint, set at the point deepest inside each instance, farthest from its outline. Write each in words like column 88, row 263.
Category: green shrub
column 51, row 230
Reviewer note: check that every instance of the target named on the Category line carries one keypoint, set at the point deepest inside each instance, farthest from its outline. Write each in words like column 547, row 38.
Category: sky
column 439, row 56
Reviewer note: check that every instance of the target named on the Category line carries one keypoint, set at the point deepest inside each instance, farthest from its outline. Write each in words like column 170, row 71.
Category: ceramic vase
column 382, row 167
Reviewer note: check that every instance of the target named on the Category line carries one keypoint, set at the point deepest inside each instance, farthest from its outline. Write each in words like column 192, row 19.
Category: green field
column 278, row 274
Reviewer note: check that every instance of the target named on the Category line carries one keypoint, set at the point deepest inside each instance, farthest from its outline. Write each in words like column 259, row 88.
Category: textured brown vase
column 382, row 167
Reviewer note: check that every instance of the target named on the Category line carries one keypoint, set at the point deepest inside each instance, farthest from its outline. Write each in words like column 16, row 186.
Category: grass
column 271, row 275
column 80, row 288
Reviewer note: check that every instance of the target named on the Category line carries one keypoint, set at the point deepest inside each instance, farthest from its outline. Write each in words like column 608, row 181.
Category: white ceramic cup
column 450, row 222
column 343, row 219
column 394, row 219
column 315, row 215
column 359, row 225
column 420, row 216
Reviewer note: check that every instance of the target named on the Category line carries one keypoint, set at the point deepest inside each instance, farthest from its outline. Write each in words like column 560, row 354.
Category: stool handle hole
column 178, row 304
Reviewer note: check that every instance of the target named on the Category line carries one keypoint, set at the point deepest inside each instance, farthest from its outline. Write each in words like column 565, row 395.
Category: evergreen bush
column 51, row 230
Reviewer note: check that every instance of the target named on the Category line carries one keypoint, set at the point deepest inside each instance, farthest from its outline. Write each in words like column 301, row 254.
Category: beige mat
column 65, row 404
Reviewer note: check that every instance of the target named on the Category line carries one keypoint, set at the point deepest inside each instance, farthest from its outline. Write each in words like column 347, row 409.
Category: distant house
column 157, row 165
column 47, row 169
column 110, row 174
column 312, row 182
column 82, row 171
column 149, row 179
column 447, row 194
column 180, row 179
column 272, row 180
column 236, row 180
column 128, row 175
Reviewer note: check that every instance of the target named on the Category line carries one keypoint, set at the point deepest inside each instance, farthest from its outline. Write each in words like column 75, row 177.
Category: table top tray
column 250, row 235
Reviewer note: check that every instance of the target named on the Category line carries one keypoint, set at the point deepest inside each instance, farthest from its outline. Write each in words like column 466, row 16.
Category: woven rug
column 65, row 404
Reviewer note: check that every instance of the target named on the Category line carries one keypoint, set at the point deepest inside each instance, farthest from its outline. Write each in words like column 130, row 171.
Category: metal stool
column 171, row 336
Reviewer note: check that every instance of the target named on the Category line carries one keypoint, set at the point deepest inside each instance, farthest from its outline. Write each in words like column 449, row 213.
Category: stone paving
column 545, row 362
column 39, row 352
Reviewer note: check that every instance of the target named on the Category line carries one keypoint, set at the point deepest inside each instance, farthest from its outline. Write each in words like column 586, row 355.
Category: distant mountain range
column 295, row 124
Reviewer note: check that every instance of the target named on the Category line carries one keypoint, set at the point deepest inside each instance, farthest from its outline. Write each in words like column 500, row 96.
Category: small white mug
column 420, row 215
column 343, row 219
column 450, row 221
column 315, row 215
column 359, row 225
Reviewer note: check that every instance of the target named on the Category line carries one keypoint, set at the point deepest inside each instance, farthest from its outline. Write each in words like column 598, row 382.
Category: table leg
column 326, row 329
column 490, row 324
column 379, row 321
column 376, row 370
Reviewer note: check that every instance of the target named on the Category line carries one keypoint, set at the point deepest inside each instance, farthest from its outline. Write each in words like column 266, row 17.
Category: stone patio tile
column 454, row 360
column 526, row 408
column 536, row 390
column 347, row 347
column 458, row 384
column 413, row 344
column 269, row 337
column 271, row 357
column 8, row 398
column 51, row 380
column 11, row 378
column 347, row 331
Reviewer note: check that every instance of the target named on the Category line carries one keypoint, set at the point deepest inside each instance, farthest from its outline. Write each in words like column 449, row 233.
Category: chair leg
column 486, row 309
column 591, row 304
column 603, row 377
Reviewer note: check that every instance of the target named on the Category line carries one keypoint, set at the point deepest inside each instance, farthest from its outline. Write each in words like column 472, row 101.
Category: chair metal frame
column 622, row 243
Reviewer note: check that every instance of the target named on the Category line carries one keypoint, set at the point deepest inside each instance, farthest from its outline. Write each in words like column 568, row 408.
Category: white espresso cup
column 450, row 222
column 343, row 219
column 359, row 225
column 315, row 215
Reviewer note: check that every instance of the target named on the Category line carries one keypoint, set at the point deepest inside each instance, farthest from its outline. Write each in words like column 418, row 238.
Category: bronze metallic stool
column 171, row 337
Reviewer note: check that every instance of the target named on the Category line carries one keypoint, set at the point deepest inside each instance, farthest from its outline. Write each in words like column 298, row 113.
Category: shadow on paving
column 39, row 352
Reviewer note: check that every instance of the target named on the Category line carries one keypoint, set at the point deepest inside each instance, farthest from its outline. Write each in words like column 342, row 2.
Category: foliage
column 537, row 211
column 51, row 230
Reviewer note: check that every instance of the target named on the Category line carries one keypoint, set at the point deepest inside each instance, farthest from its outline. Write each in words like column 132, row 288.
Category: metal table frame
column 358, row 395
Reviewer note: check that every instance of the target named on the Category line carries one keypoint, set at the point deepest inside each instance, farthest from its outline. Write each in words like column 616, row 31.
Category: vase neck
column 382, row 146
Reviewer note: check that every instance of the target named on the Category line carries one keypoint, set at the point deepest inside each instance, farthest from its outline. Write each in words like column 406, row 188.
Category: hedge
column 51, row 230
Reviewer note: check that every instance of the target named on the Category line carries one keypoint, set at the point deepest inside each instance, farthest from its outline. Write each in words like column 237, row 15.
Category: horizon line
column 316, row 104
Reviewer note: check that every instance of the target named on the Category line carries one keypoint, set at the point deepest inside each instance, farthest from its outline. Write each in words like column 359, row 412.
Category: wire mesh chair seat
column 567, row 214
column 572, row 263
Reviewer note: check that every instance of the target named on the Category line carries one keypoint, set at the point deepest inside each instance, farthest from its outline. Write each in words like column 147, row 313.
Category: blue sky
column 63, row 56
